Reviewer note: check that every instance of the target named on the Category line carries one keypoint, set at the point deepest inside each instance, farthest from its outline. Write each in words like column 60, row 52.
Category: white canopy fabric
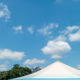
column 56, row 70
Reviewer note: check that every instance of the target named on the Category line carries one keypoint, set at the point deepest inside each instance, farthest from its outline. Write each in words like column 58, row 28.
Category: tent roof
column 56, row 70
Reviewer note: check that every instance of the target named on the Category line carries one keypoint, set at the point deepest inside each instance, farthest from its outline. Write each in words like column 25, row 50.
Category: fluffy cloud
column 75, row 36
column 60, row 38
column 70, row 29
column 72, row 33
column 3, row 67
column 56, row 48
column 30, row 30
column 9, row 54
column 4, row 12
column 47, row 30
column 33, row 61
column 18, row 29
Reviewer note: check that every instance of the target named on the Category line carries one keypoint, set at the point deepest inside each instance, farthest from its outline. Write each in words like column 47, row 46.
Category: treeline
column 17, row 71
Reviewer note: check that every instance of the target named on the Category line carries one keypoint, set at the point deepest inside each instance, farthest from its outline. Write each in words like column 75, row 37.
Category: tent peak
column 58, row 61
column 55, row 70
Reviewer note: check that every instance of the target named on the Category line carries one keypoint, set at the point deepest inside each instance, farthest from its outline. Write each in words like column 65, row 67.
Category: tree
column 3, row 75
column 36, row 69
column 15, row 66
column 16, row 71
column 28, row 70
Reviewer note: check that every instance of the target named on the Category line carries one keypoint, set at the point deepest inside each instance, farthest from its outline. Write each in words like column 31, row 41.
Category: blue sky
column 39, row 32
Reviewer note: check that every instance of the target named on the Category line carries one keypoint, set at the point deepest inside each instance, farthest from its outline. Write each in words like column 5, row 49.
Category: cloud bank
column 9, row 54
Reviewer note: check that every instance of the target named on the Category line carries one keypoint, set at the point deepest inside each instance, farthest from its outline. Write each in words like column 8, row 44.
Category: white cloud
column 71, row 33
column 18, row 29
column 70, row 29
column 78, row 66
column 4, row 12
column 74, row 36
column 30, row 30
column 56, row 48
column 56, row 56
column 9, row 54
column 33, row 61
column 47, row 30
column 60, row 38
column 3, row 67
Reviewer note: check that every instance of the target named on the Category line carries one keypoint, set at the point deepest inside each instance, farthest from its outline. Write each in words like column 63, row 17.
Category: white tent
column 56, row 70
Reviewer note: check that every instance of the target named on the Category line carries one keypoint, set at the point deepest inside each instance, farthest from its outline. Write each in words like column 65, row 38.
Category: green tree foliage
column 36, row 69
column 16, row 71
column 3, row 75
